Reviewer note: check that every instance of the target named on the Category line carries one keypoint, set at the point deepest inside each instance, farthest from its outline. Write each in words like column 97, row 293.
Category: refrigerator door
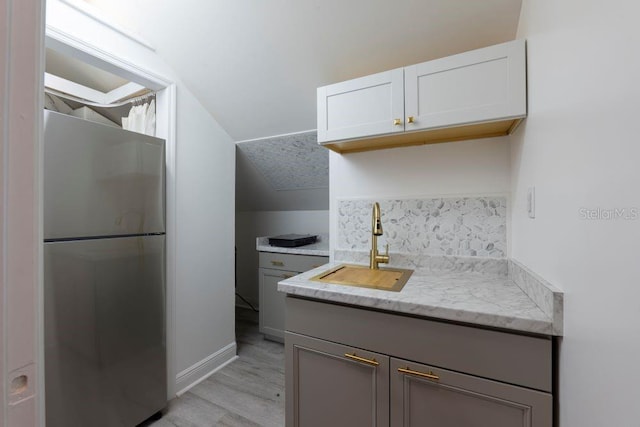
column 100, row 180
column 105, row 352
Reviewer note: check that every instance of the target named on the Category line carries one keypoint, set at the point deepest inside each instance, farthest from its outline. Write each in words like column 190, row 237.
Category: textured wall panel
column 290, row 162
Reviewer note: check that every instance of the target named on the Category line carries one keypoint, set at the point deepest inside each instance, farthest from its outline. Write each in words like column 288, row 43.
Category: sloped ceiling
column 256, row 64
column 290, row 162
column 289, row 172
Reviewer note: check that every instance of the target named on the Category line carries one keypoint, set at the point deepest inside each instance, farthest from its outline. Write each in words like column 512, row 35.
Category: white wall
column 580, row 149
column 250, row 225
column 21, row 342
column 203, row 308
column 205, row 230
column 460, row 168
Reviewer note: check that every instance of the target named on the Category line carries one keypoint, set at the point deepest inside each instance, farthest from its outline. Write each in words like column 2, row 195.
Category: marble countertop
column 320, row 248
column 480, row 298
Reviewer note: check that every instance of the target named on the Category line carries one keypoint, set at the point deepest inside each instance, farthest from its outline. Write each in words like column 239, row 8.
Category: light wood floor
column 247, row 392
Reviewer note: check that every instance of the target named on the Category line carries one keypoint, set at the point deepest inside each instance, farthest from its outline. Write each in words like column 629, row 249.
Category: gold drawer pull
column 361, row 359
column 397, row 122
column 410, row 119
column 430, row 375
column 277, row 263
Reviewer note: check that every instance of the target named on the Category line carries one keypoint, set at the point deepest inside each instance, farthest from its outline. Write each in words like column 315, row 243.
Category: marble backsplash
column 456, row 226
column 431, row 264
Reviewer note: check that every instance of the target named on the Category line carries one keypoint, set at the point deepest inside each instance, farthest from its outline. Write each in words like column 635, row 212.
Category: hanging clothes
column 141, row 119
column 150, row 120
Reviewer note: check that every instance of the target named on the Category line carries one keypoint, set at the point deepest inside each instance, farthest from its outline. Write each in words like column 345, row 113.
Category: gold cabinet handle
column 353, row 356
column 397, row 122
column 410, row 119
column 430, row 375
column 277, row 263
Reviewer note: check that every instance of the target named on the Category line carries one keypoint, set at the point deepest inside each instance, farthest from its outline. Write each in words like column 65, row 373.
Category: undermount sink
column 387, row 279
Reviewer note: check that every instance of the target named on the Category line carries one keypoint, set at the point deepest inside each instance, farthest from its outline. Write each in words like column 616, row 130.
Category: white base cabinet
column 274, row 267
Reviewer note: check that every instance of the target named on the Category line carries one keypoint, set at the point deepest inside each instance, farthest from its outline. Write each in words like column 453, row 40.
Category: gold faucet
column 376, row 230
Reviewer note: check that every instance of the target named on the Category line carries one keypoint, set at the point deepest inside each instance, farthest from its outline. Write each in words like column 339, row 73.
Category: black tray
column 292, row 240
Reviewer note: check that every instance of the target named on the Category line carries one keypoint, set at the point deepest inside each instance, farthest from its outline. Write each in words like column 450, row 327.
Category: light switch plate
column 531, row 202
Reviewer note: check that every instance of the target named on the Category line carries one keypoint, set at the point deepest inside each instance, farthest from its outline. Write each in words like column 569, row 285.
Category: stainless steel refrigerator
column 104, row 274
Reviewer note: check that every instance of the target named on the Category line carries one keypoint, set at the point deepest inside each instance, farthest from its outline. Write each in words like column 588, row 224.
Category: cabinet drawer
column 289, row 262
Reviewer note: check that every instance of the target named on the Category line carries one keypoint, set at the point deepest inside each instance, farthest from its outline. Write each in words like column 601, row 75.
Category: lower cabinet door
column 427, row 396
column 272, row 304
column 330, row 384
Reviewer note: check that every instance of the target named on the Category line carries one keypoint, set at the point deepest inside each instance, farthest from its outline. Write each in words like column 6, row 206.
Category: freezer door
column 105, row 352
column 100, row 180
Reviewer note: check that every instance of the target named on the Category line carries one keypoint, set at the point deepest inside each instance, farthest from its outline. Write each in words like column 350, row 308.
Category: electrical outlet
column 531, row 202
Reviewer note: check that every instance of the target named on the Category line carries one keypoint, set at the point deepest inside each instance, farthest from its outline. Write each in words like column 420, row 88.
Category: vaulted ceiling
column 256, row 64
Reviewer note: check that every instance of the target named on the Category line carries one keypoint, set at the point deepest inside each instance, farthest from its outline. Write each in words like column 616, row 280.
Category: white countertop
column 320, row 248
column 485, row 299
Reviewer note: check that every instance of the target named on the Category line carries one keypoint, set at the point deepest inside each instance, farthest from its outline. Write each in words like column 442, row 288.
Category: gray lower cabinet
column 275, row 267
column 271, row 315
column 335, row 385
column 342, row 362
column 423, row 395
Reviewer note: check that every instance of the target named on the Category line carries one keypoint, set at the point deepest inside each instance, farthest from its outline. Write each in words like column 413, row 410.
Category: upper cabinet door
column 371, row 105
column 481, row 85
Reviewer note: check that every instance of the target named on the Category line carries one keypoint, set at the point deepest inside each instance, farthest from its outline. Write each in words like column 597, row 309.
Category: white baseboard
column 202, row 370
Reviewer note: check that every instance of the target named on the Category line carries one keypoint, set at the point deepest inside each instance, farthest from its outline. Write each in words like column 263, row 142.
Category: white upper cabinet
column 370, row 105
column 481, row 85
column 476, row 94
